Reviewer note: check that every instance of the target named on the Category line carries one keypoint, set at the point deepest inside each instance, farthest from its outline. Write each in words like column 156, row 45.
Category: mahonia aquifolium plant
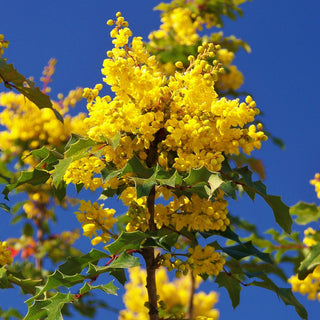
column 163, row 145
column 175, row 122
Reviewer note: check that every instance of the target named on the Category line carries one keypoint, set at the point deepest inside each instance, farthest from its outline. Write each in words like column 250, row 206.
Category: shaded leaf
column 244, row 250
column 77, row 264
column 34, row 177
column 232, row 285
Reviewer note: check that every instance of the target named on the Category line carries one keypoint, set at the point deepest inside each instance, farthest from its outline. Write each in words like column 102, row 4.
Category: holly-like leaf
column 284, row 293
column 126, row 241
column 49, row 309
column 134, row 165
column 312, row 259
column 232, row 285
column 305, row 212
column 197, row 176
column 13, row 79
column 79, row 147
column 108, row 288
column 244, row 250
column 280, row 211
column 60, row 170
column 75, row 265
column 34, row 177
column 48, row 158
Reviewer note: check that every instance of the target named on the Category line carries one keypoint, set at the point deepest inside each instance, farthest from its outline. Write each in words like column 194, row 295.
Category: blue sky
column 282, row 73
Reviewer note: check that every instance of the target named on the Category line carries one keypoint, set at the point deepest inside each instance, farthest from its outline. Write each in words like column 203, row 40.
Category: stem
column 151, row 265
column 192, row 292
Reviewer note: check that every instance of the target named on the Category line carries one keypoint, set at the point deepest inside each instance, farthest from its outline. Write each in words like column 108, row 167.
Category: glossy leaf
column 13, row 79
column 126, row 241
column 312, row 259
column 34, row 177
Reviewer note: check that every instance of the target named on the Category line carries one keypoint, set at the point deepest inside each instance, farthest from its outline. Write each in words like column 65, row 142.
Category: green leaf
column 284, row 293
column 168, row 178
column 58, row 279
column 197, row 176
column 124, row 261
column 4, row 282
column 4, row 207
column 60, row 170
column 79, row 148
column 232, row 285
column 77, row 264
column 215, row 182
column 108, row 288
column 280, row 211
column 134, row 165
column 126, row 241
column 28, row 230
column 229, row 188
column 48, row 158
column 13, row 79
column 49, row 309
column 289, row 299
column 34, row 177
column 311, row 260
column 244, row 250
column 305, row 212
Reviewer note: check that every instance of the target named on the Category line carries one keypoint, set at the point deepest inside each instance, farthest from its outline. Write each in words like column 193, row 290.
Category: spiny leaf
column 168, row 178
column 108, row 288
column 289, row 299
column 50, row 308
column 13, row 79
column 79, row 148
column 244, row 250
column 232, row 285
column 77, row 264
column 58, row 279
column 305, row 212
column 284, row 293
column 48, row 158
column 134, row 165
column 34, row 177
column 312, row 259
column 280, row 211
column 60, row 170
column 126, row 241
column 196, row 176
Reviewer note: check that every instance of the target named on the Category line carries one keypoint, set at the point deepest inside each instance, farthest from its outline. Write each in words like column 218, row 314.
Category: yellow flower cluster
column 5, row 254
column 310, row 285
column 308, row 239
column 29, row 127
column 84, row 171
column 180, row 116
column 174, row 297
column 200, row 261
column 206, row 260
column 194, row 213
column 180, row 24
column 316, row 183
column 232, row 78
column 94, row 219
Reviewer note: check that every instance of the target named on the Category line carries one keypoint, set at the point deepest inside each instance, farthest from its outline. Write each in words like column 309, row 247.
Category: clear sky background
column 282, row 73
